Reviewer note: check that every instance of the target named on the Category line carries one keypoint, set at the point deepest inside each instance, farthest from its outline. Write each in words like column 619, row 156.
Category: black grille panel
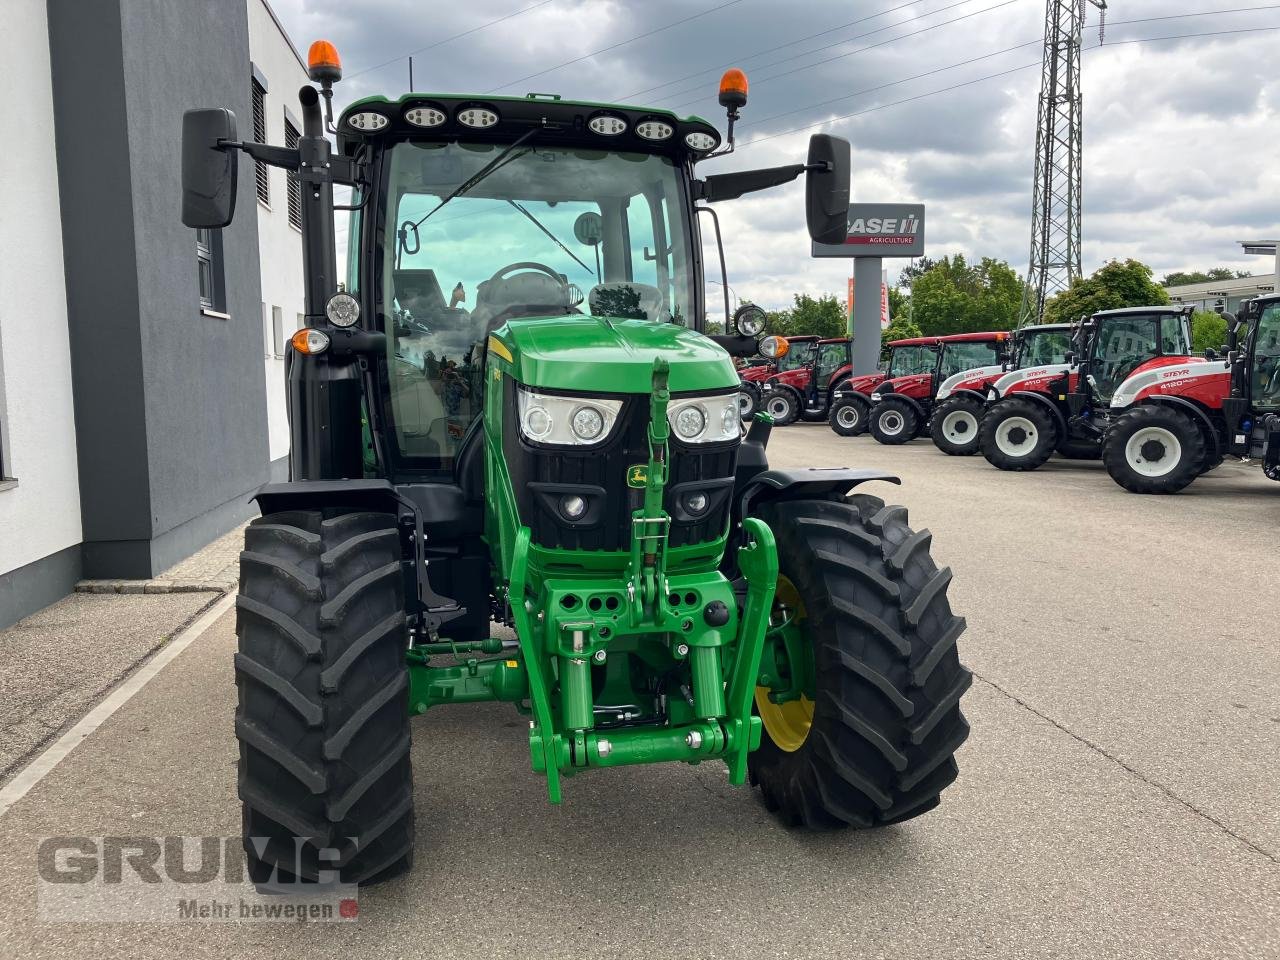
column 541, row 477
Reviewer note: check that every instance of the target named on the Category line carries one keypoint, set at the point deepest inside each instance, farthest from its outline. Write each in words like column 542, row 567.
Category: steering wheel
column 528, row 265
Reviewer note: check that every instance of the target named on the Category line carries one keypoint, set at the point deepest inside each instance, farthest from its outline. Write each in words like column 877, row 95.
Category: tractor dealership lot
column 1119, row 795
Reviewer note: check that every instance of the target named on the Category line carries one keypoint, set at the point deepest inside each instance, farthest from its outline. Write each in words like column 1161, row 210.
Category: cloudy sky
column 1177, row 131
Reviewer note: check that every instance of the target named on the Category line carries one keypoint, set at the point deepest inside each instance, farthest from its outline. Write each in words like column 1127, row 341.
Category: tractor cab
column 1120, row 343
column 1262, row 354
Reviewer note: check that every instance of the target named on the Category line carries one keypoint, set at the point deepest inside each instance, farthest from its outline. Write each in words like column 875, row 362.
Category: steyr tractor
column 902, row 407
column 851, row 400
column 570, row 465
column 799, row 350
column 962, row 398
column 1170, row 423
column 804, row 391
column 1062, row 407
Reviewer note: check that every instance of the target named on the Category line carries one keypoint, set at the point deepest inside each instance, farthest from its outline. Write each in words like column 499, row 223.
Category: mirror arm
column 272, row 156
column 730, row 186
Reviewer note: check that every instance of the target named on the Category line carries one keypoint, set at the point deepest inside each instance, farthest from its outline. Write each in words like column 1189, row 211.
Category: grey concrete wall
column 168, row 400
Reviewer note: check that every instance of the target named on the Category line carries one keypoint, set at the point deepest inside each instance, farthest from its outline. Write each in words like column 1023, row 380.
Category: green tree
column 824, row 317
column 900, row 328
column 1179, row 277
column 1208, row 329
column 915, row 270
column 1117, row 283
column 899, row 303
column 953, row 296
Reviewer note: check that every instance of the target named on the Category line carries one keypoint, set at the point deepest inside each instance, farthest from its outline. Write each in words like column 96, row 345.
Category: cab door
column 1264, row 374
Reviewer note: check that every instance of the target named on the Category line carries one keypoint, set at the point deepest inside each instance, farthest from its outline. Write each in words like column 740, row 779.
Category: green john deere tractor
column 508, row 413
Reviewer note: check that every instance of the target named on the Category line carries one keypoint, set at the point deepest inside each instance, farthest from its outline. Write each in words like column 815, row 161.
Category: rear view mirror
column 827, row 189
column 208, row 170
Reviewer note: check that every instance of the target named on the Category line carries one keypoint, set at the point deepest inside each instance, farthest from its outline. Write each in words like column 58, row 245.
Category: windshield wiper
column 490, row 167
column 554, row 239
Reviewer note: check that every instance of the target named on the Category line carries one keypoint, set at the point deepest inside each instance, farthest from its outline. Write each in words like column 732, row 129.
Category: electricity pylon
column 1055, row 204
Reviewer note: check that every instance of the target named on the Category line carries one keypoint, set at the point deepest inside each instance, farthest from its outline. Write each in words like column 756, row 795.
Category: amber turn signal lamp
column 309, row 341
column 323, row 63
column 733, row 89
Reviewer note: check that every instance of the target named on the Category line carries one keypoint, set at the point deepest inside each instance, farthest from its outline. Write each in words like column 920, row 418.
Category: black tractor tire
column 323, row 715
column 783, row 404
column 748, row 399
column 954, row 426
column 1154, row 449
column 886, row 722
column 893, row 422
column 1018, row 434
column 1074, row 449
column 848, row 416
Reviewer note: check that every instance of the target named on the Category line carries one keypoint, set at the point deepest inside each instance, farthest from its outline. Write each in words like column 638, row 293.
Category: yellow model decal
column 500, row 348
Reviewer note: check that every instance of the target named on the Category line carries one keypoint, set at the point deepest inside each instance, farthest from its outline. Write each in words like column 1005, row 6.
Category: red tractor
column 851, row 401
column 1063, row 407
column 903, row 406
column 804, row 391
column 962, row 398
column 1171, row 423
column 752, row 377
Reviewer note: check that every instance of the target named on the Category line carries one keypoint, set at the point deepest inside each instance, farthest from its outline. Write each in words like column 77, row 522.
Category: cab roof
column 502, row 119
column 985, row 337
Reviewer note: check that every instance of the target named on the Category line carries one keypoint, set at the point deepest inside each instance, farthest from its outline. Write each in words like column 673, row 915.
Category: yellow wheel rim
column 786, row 723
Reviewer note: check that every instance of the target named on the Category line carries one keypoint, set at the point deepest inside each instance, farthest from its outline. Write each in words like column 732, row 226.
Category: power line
column 456, row 36
column 615, row 46
column 853, row 53
column 994, row 76
column 987, row 56
column 759, row 53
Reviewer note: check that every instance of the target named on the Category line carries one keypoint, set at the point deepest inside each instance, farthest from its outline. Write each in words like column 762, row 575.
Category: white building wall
column 40, row 515
column 279, row 243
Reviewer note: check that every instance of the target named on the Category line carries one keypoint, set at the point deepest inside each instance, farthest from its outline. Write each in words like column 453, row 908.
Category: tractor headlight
column 567, row 421
column 712, row 419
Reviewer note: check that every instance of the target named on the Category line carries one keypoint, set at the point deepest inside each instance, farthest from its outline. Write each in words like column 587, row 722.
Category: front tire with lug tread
column 1154, row 449
column 323, row 718
column 1018, row 434
column 885, row 721
column 954, row 426
column 893, row 422
column 782, row 404
column 848, row 416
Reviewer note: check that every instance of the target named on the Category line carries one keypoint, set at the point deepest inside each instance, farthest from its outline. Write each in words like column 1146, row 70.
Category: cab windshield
column 1125, row 342
column 1041, row 347
column 795, row 358
column 540, row 231
column 907, row 361
column 965, row 355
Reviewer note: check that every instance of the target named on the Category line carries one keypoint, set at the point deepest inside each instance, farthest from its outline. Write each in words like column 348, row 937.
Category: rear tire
column 848, row 416
column 893, row 422
column 1018, row 434
column 954, row 426
column 323, row 716
column 1154, row 449
column 886, row 720
column 783, row 404
column 748, row 399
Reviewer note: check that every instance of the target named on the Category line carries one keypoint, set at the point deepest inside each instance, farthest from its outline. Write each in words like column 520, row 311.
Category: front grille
column 541, row 477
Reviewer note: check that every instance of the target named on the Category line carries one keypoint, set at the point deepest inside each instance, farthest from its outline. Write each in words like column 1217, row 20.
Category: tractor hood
column 864, row 383
column 602, row 355
column 978, row 378
column 909, row 385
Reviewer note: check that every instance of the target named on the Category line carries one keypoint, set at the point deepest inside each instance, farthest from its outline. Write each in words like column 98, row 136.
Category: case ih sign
column 880, row 230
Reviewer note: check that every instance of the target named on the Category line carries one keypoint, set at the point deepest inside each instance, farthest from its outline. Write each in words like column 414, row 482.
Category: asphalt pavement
column 1119, row 796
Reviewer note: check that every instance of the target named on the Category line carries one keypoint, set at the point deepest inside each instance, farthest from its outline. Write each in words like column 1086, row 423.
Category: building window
column 209, row 270
column 277, row 332
column 260, row 135
column 294, row 185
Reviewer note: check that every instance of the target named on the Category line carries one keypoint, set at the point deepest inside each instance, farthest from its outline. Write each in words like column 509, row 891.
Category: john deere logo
column 638, row 475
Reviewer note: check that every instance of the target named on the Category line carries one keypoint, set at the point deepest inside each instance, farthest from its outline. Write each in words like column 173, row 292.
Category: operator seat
column 528, row 294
